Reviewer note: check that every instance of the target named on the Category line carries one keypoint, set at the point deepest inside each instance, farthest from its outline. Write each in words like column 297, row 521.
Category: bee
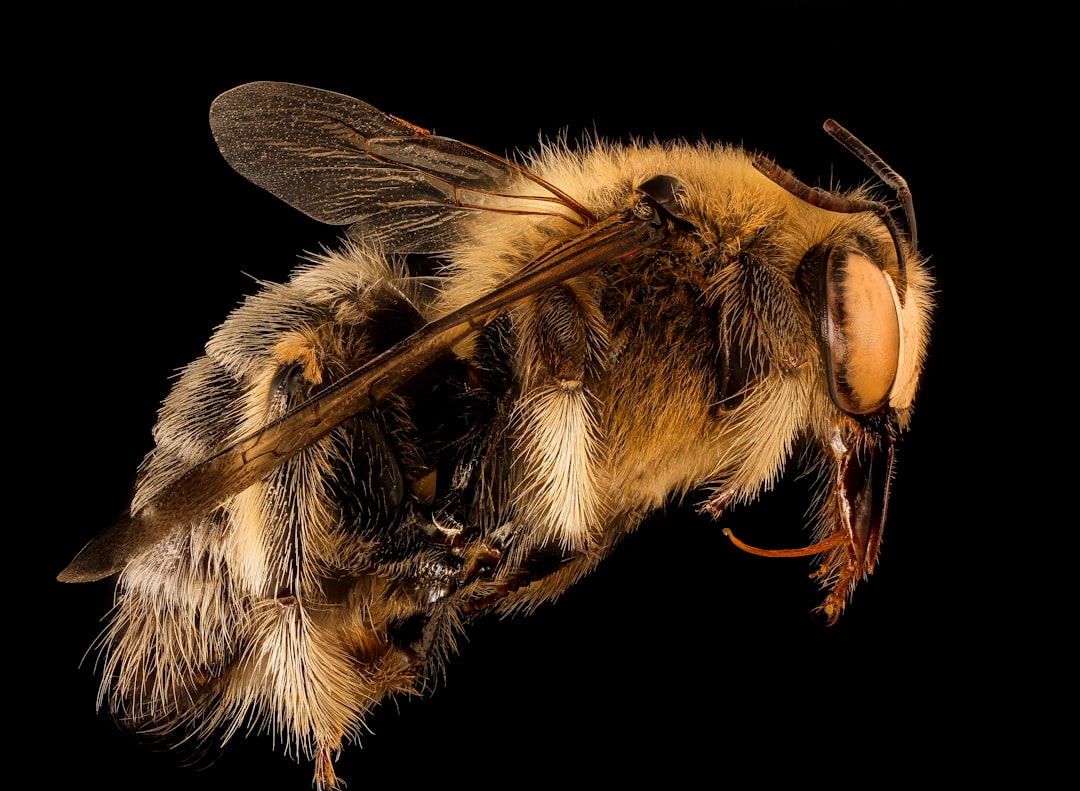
column 461, row 410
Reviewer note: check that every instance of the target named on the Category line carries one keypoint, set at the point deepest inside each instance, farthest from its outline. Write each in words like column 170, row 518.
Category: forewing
column 343, row 162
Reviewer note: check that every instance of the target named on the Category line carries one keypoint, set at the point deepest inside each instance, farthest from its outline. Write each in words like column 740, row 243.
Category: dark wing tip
column 107, row 553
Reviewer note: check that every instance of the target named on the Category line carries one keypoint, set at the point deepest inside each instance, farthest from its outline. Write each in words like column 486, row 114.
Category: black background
column 681, row 658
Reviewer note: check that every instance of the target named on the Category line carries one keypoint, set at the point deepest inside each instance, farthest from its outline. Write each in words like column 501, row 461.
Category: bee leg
column 562, row 338
column 495, row 596
column 562, row 335
column 844, row 583
column 860, row 499
column 481, row 559
column 325, row 778
column 718, row 503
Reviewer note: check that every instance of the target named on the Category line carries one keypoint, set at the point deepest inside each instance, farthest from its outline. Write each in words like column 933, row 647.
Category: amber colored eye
column 861, row 327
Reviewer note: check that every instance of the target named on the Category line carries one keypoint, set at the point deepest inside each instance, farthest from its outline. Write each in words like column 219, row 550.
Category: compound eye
column 861, row 329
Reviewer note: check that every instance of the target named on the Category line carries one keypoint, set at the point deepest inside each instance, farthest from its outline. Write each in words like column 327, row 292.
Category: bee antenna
column 881, row 169
column 829, row 201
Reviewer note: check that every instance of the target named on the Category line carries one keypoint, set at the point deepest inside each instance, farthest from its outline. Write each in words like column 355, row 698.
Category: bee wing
column 209, row 484
column 343, row 162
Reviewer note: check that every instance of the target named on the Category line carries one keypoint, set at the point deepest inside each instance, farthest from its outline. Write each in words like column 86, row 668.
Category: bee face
column 502, row 370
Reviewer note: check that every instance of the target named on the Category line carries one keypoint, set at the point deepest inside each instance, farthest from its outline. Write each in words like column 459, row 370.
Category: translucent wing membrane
column 341, row 161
